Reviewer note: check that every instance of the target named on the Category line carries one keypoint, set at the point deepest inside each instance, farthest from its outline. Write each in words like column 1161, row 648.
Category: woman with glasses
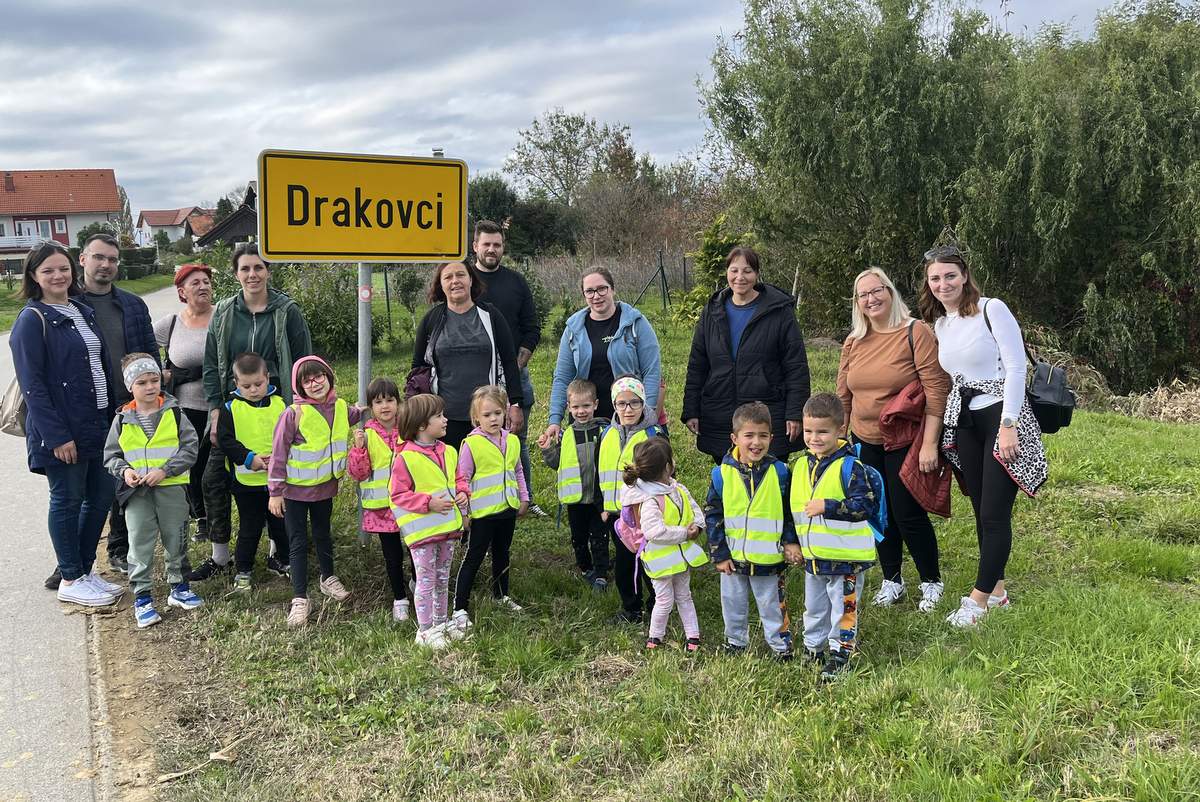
column 991, row 436
column 747, row 347
column 886, row 351
column 605, row 339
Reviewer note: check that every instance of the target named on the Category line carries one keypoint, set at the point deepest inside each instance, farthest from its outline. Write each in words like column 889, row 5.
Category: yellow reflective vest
column 322, row 455
column 676, row 558
column 823, row 538
column 254, row 427
column 430, row 479
column 375, row 490
column 494, row 485
column 612, row 462
column 753, row 524
column 144, row 454
column 570, row 480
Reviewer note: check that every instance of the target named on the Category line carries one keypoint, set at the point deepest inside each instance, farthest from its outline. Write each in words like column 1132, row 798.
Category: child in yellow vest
column 670, row 523
column 245, row 428
column 308, row 457
column 428, row 501
column 836, row 541
column 151, row 447
column 371, row 459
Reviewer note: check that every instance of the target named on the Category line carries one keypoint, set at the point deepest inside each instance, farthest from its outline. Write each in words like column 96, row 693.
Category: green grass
column 1088, row 688
column 11, row 301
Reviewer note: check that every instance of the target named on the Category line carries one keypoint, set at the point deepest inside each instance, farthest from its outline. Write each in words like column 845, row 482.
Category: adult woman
column 60, row 360
column 258, row 320
column 991, row 435
column 886, row 351
column 747, row 347
column 466, row 344
column 605, row 339
column 182, row 335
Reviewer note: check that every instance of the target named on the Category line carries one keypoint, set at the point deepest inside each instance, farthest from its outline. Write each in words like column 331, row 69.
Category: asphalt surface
column 45, row 720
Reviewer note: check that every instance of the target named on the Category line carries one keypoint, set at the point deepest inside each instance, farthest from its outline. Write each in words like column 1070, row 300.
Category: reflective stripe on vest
column 753, row 526
column 322, row 455
column 613, row 460
column 494, row 485
column 254, row 428
column 570, row 480
column 144, row 454
column 374, row 491
column 429, row 478
column 820, row 537
column 663, row 561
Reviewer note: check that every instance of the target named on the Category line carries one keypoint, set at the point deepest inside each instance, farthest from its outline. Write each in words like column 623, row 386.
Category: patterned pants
column 431, row 561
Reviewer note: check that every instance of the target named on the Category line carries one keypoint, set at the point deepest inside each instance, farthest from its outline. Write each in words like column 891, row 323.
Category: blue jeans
column 81, row 496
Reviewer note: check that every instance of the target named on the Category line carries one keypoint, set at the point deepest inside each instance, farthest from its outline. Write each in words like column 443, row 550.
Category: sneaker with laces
column 332, row 587
column 183, row 598
column 298, row 612
column 836, row 663
column 998, row 602
column 103, row 585
column 653, row 643
column 506, row 601
column 433, row 638
column 144, row 613
column 889, row 593
column 600, row 585
column 277, row 567
column 53, row 580
column 537, row 511
column 400, row 610
column 84, row 593
column 241, row 581
column 459, row 626
column 207, row 570
column 931, row 596
column 968, row 614
column 119, row 564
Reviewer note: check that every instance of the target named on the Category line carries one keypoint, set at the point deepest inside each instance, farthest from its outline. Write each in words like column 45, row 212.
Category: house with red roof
column 53, row 204
column 172, row 221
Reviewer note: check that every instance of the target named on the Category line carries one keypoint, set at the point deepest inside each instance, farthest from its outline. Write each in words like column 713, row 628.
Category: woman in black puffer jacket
column 747, row 347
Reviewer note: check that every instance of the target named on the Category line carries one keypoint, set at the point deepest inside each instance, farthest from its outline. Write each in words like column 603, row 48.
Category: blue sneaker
column 183, row 598
column 144, row 612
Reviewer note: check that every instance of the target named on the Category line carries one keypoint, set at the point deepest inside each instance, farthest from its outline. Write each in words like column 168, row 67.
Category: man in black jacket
column 507, row 290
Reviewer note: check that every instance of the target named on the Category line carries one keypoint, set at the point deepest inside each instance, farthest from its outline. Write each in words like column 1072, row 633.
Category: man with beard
column 507, row 290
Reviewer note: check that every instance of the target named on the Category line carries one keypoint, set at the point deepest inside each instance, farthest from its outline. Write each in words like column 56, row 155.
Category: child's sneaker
column 732, row 649
column 298, row 612
column 332, row 587
column 241, row 581
column 459, row 626
column 998, row 602
column 600, row 584
column 84, row 593
column 691, row 645
column 653, row 643
column 889, row 593
column 183, row 597
column 815, row 657
column 104, row 586
column 207, row 570
column 506, row 601
column 783, row 657
column 931, row 596
column 144, row 613
column 433, row 638
column 400, row 610
column 836, row 663
column 275, row 566
column 967, row 614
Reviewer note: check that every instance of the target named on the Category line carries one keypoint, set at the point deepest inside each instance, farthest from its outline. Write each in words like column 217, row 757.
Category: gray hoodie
column 180, row 462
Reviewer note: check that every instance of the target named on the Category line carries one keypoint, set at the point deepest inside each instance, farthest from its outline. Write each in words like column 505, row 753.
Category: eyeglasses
column 314, row 379
column 591, row 292
column 112, row 260
column 943, row 252
column 636, row 403
column 878, row 292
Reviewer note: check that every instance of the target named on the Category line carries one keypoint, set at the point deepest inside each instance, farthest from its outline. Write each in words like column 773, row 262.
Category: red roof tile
column 200, row 222
column 165, row 217
column 58, row 192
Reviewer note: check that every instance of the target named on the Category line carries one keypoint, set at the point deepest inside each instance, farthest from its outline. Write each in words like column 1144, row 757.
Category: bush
column 184, row 245
column 138, row 262
column 715, row 244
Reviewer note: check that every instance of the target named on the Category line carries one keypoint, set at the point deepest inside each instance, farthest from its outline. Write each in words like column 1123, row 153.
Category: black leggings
column 456, row 432
column 589, row 538
column 907, row 522
column 199, row 420
column 296, row 516
column 496, row 532
column 392, row 544
column 992, row 492
column 252, row 516
column 625, row 570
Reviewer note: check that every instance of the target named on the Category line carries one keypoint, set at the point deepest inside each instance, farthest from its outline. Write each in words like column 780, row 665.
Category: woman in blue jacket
column 60, row 360
column 605, row 339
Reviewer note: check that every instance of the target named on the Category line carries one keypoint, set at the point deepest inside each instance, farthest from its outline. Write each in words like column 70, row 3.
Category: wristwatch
column 1007, row 423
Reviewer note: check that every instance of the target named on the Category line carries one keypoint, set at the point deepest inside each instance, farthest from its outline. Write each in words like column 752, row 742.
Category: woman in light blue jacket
column 606, row 339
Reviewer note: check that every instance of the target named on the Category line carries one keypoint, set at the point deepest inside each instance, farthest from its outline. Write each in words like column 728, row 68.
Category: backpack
column 1051, row 399
column 629, row 526
column 878, row 521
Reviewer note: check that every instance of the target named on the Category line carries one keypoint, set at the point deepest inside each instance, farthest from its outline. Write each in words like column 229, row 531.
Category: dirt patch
column 822, row 342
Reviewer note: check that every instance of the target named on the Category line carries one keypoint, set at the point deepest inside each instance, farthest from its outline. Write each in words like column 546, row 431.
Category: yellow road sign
column 345, row 207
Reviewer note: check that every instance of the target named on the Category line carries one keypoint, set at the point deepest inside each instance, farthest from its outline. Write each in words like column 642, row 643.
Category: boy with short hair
column 245, row 426
column 151, row 446
column 748, row 525
column 574, row 457
column 833, row 503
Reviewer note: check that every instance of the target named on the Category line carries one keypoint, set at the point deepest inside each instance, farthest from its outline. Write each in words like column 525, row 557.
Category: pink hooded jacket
column 378, row 520
column 403, row 489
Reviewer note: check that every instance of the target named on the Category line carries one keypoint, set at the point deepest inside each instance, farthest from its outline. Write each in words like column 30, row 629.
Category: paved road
column 45, row 727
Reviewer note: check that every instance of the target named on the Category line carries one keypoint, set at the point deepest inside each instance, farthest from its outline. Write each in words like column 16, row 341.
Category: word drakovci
column 361, row 212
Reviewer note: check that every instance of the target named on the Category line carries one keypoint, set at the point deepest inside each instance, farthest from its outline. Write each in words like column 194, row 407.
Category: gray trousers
column 149, row 512
column 831, row 611
column 767, row 590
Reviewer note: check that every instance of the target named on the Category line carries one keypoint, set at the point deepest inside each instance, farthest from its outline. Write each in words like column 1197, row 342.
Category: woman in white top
column 980, row 346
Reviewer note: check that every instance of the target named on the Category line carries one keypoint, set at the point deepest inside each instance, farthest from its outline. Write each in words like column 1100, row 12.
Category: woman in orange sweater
column 886, row 350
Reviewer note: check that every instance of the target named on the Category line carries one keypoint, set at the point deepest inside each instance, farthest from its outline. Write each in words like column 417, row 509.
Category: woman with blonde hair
column 886, row 351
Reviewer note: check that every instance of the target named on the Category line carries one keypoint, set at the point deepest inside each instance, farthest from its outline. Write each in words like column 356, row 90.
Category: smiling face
column 741, row 276
column 598, row 294
column 490, row 418
column 54, row 276
column 385, row 409
column 582, row 407
column 253, row 274
column 146, row 388
column 752, row 439
column 315, row 386
column 820, row 435
column 946, row 282
column 456, row 283
column 874, row 300
column 628, row 407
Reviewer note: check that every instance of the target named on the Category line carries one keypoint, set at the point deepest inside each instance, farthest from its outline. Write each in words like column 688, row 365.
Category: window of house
column 3, row 233
column 44, row 228
column 60, row 226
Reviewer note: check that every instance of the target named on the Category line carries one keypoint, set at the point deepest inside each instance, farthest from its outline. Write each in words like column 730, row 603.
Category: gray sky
column 179, row 97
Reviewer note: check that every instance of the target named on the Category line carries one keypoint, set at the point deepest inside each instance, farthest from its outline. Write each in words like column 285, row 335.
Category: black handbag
column 1050, row 396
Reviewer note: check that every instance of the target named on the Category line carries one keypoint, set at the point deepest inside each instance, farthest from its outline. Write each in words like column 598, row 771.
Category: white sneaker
column 84, row 593
column 890, row 593
column 400, row 610
column 433, row 638
column 459, row 626
column 506, row 601
column 967, row 615
column 332, row 587
column 931, row 596
column 103, row 585
column 998, row 602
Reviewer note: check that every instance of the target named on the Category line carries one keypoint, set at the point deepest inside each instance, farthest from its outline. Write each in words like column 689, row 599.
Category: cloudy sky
column 179, row 97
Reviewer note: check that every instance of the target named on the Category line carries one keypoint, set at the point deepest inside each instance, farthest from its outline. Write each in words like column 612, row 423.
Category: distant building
column 172, row 221
column 240, row 226
column 37, row 205
column 199, row 223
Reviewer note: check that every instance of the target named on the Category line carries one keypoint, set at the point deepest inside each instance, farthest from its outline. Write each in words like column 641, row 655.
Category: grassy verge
column 1089, row 687
column 11, row 301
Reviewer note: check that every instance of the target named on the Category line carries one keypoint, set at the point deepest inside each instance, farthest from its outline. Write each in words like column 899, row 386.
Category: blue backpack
column 878, row 521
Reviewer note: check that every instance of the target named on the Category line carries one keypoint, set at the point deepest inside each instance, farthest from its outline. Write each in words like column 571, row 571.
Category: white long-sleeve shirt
column 966, row 347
